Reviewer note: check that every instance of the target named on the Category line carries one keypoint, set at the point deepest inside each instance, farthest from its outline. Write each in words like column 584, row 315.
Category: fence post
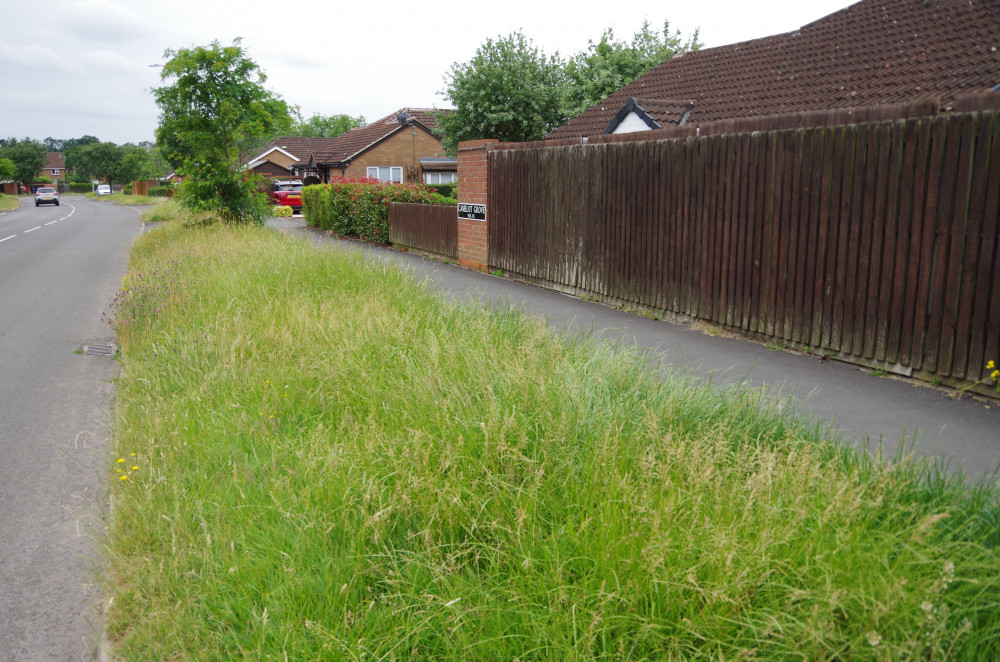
column 473, row 203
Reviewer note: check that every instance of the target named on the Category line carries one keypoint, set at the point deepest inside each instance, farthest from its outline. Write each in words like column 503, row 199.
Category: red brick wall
column 473, row 189
column 402, row 149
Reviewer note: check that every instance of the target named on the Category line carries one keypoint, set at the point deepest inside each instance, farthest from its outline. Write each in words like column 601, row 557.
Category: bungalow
column 399, row 147
column 871, row 53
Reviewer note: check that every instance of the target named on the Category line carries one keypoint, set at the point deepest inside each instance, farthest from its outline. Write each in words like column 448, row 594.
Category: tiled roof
column 437, row 163
column 347, row 146
column 873, row 52
column 54, row 160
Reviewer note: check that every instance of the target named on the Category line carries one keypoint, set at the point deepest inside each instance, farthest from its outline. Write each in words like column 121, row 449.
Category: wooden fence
column 429, row 228
column 876, row 243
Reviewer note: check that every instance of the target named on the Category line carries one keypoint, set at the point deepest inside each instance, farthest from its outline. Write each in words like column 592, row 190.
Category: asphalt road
column 59, row 270
column 860, row 409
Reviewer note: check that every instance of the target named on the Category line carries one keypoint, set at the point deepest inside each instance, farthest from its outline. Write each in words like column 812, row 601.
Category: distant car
column 103, row 189
column 46, row 195
column 287, row 193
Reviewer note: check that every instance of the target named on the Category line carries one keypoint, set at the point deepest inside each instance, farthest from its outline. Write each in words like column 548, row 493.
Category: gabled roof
column 54, row 160
column 873, row 52
column 654, row 113
column 346, row 147
column 263, row 156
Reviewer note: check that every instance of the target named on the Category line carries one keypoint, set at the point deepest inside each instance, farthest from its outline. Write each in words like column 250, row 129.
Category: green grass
column 327, row 461
column 120, row 198
column 8, row 202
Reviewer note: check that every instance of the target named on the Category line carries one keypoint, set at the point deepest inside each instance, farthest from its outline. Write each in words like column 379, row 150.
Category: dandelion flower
column 121, row 460
column 135, row 468
column 123, row 477
column 991, row 365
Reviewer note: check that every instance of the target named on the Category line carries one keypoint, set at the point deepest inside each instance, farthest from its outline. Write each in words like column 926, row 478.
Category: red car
column 287, row 193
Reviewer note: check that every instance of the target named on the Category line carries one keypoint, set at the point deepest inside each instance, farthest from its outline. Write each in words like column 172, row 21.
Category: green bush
column 446, row 190
column 282, row 211
column 158, row 192
column 79, row 187
column 359, row 207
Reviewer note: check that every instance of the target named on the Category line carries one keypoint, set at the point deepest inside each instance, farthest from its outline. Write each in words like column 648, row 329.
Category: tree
column 28, row 157
column 509, row 90
column 512, row 91
column 328, row 126
column 610, row 65
column 71, row 146
column 7, row 169
column 102, row 161
column 211, row 115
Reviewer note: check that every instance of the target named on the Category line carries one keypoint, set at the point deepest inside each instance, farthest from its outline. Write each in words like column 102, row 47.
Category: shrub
column 282, row 211
column 446, row 190
column 359, row 207
column 78, row 187
column 159, row 192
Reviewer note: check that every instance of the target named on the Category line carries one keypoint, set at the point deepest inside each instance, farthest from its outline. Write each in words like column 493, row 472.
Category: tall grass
column 8, row 202
column 318, row 458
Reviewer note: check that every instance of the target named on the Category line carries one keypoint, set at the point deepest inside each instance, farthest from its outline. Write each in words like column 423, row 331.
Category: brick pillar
column 473, row 198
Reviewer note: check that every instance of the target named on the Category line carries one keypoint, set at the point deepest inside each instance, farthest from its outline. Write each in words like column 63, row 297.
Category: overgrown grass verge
column 318, row 458
column 8, row 202
column 120, row 198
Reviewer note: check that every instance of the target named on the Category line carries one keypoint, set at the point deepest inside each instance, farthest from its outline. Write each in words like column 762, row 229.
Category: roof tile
column 872, row 52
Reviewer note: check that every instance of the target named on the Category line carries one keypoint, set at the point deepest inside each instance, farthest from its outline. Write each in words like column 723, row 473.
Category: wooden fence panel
column 431, row 228
column 877, row 242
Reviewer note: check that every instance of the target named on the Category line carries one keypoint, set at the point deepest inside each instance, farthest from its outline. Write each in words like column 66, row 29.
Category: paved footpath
column 863, row 409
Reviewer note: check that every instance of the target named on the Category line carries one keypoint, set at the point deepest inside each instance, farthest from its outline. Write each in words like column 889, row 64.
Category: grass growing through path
column 319, row 459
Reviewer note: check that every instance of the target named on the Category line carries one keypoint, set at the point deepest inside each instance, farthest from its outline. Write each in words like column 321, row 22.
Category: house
column 54, row 168
column 281, row 154
column 399, row 147
column 871, row 53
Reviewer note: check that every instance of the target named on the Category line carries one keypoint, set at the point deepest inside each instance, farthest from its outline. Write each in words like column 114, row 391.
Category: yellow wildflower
column 123, row 477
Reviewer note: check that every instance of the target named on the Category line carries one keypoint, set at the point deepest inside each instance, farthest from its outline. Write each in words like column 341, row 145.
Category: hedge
column 353, row 207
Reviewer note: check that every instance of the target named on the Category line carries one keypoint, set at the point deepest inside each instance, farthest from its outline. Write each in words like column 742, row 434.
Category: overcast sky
column 83, row 67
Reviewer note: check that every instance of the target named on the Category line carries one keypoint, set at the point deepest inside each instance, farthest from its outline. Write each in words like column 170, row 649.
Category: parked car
column 103, row 189
column 287, row 193
column 46, row 195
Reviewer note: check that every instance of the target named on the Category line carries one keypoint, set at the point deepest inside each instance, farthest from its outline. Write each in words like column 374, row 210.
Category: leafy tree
column 102, row 161
column 609, row 65
column 212, row 114
column 7, row 169
column 512, row 91
column 28, row 157
column 71, row 146
column 509, row 90
column 326, row 126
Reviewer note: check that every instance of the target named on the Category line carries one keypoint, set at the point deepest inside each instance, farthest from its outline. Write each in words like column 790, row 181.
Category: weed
column 876, row 371
column 774, row 346
column 498, row 273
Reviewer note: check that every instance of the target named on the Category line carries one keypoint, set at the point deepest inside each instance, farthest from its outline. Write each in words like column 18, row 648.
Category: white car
column 46, row 195
column 103, row 189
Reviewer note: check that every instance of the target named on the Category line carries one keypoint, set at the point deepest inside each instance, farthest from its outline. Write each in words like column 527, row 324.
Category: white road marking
column 37, row 227
column 6, row 238
column 51, row 222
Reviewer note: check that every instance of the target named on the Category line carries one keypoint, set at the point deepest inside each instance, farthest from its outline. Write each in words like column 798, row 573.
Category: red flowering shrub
column 359, row 207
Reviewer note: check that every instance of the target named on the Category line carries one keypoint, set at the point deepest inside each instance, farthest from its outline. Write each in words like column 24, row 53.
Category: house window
column 386, row 173
column 55, row 172
column 440, row 177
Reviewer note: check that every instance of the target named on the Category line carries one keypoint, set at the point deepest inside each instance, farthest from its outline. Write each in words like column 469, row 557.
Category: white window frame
column 429, row 177
column 395, row 173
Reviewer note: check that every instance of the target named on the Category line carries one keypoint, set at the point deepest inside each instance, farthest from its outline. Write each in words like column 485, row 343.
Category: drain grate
column 99, row 350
